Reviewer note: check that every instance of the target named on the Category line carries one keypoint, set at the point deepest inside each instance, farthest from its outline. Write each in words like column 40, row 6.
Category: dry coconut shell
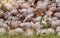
column 39, row 12
column 14, row 24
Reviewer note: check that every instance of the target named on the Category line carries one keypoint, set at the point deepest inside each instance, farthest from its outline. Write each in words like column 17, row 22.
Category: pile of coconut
column 29, row 17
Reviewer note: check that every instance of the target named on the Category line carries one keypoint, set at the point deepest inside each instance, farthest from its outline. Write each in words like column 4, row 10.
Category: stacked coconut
column 29, row 17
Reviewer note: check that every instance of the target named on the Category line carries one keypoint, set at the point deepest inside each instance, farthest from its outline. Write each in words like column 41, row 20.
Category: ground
column 23, row 36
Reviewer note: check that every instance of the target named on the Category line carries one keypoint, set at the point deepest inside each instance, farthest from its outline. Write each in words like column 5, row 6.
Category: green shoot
column 47, row 25
column 41, row 20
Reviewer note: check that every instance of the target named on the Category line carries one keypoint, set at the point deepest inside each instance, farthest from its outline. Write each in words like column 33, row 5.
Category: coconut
column 19, row 16
column 22, row 24
column 58, row 29
column 12, row 33
column 39, row 12
column 36, row 25
column 28, row 32
column 11, row 18
column 38, row 31
column 53, row 9
column 42, row 5
column 45, row 17
column 44, row 32
column 26, row 25
column 16, row 5
column 54, row 24
column 25, row 5
column 37, row 19
column 57, row 14
column 14, row 12
column 54, row 18
column 43, row 22
column 51, row 31
column 53, row 4
column 28, row 18
column 14, row 24
column 7, row 15
column 3, row 25
column 49, row 13
column 27, row 11
column 19, row 30
column 8, row 6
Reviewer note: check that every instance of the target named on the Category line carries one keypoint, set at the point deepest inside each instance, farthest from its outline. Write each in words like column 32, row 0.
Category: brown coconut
column 39, row 12
column 14, row 24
